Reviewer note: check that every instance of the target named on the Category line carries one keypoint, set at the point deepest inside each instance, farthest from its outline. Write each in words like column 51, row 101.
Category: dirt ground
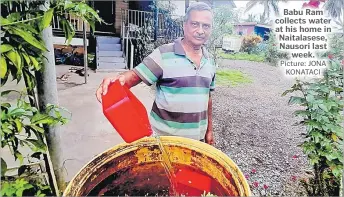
column 253, row 126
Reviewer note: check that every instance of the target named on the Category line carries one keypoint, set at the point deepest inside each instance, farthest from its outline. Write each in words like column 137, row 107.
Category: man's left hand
column 209, row 138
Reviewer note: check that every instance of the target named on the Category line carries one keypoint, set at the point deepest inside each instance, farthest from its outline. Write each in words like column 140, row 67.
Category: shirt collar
column 179, row 50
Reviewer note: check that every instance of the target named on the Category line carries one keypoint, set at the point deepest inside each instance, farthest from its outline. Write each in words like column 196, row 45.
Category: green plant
column 223, row 17
column 250, row 42
column 23, row 123
column 242, row 56
column 229, row 77
column 322, row 100
column 273, row 54
column 336, row 43
column 22, row 187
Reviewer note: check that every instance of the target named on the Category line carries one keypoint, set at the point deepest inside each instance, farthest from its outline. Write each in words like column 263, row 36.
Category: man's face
column 197, row 28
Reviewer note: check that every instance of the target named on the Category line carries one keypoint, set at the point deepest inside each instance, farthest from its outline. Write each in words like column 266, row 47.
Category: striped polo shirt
column 182, row 90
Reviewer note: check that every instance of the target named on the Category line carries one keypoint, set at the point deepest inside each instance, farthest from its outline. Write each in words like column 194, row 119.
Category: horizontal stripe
column 146, row 73
column 164, row 130
column 189, row 133
column 180, row 116
column 142, row 77
column 177, row 63
column 170, row 55
column 187, row 103
column 180, row 70
column 178, row 125
column 187, row 81
column 185, row 90
column 153, row 67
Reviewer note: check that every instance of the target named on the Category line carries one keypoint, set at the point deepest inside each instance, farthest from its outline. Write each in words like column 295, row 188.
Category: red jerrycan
column 126, row 113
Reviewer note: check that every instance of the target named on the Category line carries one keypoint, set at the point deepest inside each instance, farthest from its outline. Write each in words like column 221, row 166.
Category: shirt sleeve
column 150, row 69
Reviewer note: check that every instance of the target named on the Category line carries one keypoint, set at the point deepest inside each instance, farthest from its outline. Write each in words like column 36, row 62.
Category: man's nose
column 200, row 30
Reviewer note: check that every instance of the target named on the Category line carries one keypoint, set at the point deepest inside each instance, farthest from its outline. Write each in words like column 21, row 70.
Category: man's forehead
column 197, row 15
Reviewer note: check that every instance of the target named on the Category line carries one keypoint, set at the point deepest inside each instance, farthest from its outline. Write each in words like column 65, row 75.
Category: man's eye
column 194, row 24
column 206, row 26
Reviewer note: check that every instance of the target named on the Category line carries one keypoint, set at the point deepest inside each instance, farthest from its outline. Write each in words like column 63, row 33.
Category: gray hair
column 198, row 6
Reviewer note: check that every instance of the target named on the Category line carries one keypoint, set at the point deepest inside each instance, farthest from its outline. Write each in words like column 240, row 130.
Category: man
column 184, row 74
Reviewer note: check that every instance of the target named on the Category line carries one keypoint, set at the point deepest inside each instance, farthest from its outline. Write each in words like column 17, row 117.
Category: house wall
column 119, row 6
column 246, row 30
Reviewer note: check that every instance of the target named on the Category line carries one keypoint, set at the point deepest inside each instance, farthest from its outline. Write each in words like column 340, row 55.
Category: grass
column 230, row 77
column 243, row 56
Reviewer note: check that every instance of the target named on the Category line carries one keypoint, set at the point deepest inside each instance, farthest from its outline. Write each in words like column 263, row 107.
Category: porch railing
column 132, row 20
column 75, row 21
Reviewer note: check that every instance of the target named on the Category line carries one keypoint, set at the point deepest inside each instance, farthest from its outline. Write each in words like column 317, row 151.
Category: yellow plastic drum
column 136, row 169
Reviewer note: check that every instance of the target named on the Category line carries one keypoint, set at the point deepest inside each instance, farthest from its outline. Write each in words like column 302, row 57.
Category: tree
column 335, row 8
column 24, row 123
column 223, row 19
column 268, row 6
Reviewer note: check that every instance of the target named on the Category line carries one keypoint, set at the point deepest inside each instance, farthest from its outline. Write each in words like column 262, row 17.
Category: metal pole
column 156, row 18
column 187, row 2
column 85, row 50
column 47, row 94
column 131, row 56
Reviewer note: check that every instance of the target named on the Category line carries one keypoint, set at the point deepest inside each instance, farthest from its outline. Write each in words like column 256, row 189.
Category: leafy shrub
column 260, row 49
column 272, row 53
column 24, row 123
column 323, row 104
column 250, row 42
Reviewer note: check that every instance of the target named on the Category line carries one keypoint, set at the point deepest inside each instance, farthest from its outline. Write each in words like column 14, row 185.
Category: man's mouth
column 199, row 38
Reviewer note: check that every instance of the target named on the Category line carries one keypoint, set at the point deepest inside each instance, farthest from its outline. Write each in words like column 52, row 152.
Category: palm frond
column 334, row 7
column 275, row 7
column 250, row 5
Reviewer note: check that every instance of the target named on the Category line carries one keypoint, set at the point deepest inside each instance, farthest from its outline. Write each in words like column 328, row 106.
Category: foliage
column 249, row 42
column 22, row 187
column 23, row 123
column 267, row 4
column 222, row 25
column 336, row 45
column 243, row 56
column 260, row 49
column 323, row 118
column 261, row 18
column 23, row 118
column 231, row 77
column 334, row 8
column 273, row 54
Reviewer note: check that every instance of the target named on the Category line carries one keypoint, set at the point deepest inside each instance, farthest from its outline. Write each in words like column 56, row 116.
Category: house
column 248, row 28
column 110, row 41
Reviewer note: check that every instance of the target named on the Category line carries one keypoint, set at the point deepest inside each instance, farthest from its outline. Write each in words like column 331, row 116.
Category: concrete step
column 107, row 65
column 111, row 59
column 109, row 47
column 108, row 40
column 110, row 53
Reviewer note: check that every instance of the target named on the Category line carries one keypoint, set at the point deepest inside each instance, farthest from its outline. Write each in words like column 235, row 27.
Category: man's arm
column 131, row 79
column 209, row 137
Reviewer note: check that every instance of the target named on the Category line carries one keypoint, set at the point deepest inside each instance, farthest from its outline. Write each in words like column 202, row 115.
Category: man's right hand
column 103, row 87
